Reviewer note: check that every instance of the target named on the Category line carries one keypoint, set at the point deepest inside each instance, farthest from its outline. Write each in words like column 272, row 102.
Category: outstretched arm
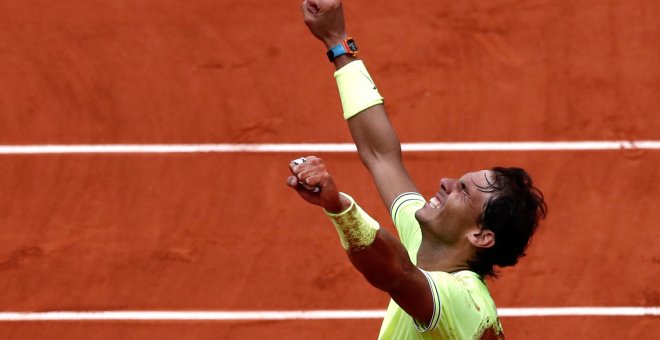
column 376, row 253
column 377, row 143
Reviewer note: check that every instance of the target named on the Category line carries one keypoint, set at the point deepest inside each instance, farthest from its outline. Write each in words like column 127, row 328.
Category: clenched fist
column 311, row 179
column 325, row 19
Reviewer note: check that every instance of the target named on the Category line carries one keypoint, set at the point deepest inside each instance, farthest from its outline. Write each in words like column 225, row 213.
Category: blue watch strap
column 336, row 51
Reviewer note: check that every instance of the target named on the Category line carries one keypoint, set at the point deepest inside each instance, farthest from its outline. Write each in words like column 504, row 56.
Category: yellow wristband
column 356, row 89
column 357, row 230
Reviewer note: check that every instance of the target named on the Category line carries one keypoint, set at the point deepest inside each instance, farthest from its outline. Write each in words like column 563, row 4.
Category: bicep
column 392, row 180
column 416, row 296
column 387, row 266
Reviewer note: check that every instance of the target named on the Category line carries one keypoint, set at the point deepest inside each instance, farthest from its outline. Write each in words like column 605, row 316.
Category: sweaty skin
column 450, row 234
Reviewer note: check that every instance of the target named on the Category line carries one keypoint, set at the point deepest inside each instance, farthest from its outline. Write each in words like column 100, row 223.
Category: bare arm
column 380, row 151
column 384, row 262
column 378, row 145
column 386, row 265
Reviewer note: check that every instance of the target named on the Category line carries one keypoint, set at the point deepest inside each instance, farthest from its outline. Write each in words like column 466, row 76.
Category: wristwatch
column 347, row 46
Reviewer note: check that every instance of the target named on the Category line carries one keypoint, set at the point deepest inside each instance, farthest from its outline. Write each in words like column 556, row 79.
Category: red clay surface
column 223, row 232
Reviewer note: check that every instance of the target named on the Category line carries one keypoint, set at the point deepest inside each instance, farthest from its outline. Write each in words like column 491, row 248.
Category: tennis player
column 447, row 244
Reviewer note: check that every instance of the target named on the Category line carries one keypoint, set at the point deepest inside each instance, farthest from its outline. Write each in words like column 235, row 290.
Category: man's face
column 454, row 210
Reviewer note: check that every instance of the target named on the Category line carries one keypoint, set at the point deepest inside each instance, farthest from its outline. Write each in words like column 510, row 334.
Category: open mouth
column 435, row 202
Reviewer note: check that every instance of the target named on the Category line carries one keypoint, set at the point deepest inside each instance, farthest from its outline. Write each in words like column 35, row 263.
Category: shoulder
column 404, row 202
column 403, row 215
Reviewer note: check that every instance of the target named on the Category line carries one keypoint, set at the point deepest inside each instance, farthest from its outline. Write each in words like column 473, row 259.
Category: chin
column 424, row 215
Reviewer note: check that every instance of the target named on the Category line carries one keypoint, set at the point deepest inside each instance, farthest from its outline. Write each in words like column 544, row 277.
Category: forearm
column 364, row 111
column 370, row 128
column 377, row 143
column 378, row 255
column 374, row 136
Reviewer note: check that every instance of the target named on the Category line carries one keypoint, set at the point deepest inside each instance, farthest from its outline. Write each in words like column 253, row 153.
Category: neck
column 437, row 256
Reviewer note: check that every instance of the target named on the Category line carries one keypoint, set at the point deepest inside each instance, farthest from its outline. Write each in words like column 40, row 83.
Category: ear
column 482, row 238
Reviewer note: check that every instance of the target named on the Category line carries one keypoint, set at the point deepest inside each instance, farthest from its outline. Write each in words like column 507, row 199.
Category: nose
column 448, row 185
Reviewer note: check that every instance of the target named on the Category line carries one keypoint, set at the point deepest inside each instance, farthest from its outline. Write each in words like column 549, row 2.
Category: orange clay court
column 220, row 231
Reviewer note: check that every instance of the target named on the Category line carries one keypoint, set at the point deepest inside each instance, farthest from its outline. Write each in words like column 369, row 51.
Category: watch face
column 352, row 45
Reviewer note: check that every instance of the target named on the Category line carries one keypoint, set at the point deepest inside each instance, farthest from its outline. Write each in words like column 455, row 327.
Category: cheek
column 452, row 207
column 459, row 211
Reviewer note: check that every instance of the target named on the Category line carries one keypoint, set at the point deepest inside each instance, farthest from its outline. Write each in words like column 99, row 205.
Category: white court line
column 326, row 147
column 303, row 315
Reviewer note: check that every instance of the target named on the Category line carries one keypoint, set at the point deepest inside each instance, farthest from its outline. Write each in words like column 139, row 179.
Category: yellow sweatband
column 356, row 89
column 357, row 230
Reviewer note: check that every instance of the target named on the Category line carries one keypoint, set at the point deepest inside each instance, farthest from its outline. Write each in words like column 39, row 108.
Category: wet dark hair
column 512, row 214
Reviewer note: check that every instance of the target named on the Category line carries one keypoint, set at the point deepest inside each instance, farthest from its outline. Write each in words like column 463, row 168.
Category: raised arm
column 376, row 253
column 377, row 143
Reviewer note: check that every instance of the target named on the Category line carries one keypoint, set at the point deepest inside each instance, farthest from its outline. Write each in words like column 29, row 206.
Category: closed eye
column 463, row 186
column 464, row 189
